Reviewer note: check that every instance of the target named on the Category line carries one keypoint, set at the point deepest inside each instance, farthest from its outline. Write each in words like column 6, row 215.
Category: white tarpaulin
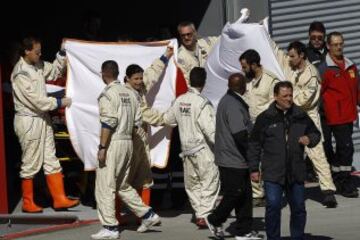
column 84, row 85
column 84, row 81
column 224, row 59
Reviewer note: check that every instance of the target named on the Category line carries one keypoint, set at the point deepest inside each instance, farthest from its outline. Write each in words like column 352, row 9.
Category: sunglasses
column 186, row 34
column 319, row 38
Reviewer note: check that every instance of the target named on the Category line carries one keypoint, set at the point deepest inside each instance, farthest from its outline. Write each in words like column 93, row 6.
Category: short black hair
column 132, row 69
column 28, row 44
column 330, row 35
column 282, row 84
column 317, row 26
column 239, row 85
column 197, row 77
column 299, row 47
column 110, row 66
column 251, row 56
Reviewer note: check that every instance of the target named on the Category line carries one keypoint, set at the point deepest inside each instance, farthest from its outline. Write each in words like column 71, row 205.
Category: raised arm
column 153, row 73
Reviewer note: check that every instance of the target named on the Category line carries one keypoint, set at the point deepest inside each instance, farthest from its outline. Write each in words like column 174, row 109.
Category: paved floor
column 341, row 223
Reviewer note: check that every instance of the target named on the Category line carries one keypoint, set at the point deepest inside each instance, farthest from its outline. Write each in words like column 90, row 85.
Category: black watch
column 101, row 147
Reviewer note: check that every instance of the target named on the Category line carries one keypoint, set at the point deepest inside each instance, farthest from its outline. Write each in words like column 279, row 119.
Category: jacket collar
column 237, row 97
column 331, row 63
column 27, row 65
column 194, row 90
column 321, row 51
column 295, row 111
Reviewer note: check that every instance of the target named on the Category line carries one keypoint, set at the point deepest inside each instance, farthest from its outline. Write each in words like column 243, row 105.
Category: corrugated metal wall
column 290, row 20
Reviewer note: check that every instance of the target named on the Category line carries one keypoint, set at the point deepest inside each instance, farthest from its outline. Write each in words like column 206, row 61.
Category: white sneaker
column 146, row 223
column 250, row 236
column 106, row 234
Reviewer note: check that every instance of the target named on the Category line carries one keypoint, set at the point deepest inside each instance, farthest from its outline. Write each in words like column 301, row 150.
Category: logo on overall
column 184, row 108
column 351, row 73
column 125, row 100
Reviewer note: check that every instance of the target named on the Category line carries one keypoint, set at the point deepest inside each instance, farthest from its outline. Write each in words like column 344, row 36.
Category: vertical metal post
column 3, row 182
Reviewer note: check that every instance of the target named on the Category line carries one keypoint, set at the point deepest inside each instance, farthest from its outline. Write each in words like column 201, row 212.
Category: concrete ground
column 341, row 223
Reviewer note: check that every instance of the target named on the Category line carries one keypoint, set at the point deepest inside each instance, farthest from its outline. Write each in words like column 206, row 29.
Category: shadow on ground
column 309, row 236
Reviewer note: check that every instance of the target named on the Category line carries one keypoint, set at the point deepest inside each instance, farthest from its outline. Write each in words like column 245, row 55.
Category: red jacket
column 339, row 91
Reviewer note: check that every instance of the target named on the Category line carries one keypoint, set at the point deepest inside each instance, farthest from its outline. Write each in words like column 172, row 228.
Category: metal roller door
column 290, row 20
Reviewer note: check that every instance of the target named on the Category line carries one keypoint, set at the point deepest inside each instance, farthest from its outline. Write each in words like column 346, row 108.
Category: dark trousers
column 295, row 194
column 237, row 194
column 342, row 159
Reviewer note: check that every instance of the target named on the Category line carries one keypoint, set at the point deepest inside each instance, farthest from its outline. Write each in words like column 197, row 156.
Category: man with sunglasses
column 194, row 51
column 316, row 49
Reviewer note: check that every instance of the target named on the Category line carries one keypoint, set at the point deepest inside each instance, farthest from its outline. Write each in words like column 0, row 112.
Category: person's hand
column 66, row 102
column 245, row 14
column 62, row 47
column 141, row 133
column 169, row 51
column 255, row 176
column 304, row 140
column 102, row 157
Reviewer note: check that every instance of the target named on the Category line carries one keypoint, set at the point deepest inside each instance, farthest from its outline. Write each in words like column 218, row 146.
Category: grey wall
column 221, row 11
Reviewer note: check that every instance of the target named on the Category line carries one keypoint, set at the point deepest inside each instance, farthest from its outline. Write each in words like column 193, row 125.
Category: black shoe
column 350, row 194
column 217, row 231
column 348, row 188
column 329, row 200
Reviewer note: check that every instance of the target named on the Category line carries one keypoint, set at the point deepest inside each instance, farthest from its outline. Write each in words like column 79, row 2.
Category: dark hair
column 251, row 56
column 28, row 44
column 282, row 84
column 132, row 69
column 330, row 35
column 299, row 47
column 19, row 48
column 197, row 77
column 240, row 85
column 110, row 66
column 317, row 26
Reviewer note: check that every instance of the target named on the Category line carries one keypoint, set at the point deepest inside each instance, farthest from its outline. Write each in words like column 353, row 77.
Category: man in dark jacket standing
column 316, row 49
column 231, row 143
column 277, row 140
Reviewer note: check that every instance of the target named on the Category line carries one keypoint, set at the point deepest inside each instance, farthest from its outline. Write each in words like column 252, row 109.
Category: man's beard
column 250, row 75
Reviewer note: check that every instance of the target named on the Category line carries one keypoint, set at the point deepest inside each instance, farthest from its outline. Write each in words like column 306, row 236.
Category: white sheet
column 224, row 59
column 84, row 85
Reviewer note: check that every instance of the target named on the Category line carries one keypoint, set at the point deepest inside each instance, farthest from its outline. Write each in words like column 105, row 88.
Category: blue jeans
column 296, row 199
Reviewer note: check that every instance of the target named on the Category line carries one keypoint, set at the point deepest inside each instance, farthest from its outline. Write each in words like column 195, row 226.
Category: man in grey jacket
column 231, row 142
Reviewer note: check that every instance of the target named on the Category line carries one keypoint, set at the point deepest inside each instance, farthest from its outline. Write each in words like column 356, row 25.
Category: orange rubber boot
column 29, row 205
column 56, row 187
column 145, row 196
